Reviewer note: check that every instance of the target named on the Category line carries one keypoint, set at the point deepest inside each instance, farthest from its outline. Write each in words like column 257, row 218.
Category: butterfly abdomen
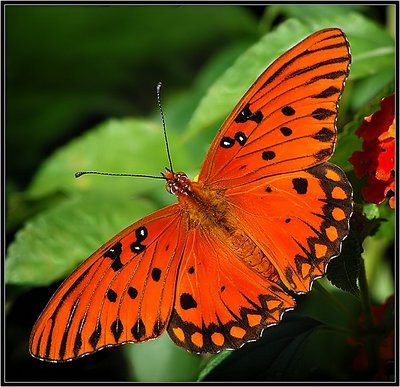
column 245, row 248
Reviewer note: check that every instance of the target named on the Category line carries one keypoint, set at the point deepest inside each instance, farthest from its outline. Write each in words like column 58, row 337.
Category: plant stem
column 371, row 339
column 364, row 293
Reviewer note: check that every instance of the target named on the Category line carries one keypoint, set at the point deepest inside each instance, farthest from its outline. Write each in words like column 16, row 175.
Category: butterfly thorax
column 202, row 204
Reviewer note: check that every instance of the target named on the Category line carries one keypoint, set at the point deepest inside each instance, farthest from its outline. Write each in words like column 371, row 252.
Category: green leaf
column 343, row 271
column 54, row 242
column 273, row 357
column 380, row 84
column 162, row 361
column 370, row 55
column 297, row 349
column 21, row 207
column 305, row 12
column 118, row 145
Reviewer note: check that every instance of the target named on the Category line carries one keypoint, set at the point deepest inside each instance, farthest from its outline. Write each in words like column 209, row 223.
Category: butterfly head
column 177, row 182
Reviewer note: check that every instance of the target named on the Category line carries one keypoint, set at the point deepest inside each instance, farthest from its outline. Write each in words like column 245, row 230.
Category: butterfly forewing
column 286, row 121
column 123, row 292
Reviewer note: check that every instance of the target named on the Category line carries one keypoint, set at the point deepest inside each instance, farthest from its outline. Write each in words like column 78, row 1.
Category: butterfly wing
column 269, row 159
column 123, row 293
column 286, row 120
column 220, row 303
column 298, row 219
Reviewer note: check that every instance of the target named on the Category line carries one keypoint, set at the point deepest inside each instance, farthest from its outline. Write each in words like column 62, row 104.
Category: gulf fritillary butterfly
column 264, row 218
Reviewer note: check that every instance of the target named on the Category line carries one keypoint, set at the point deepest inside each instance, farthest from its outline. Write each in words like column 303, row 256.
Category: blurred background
column 79, row 79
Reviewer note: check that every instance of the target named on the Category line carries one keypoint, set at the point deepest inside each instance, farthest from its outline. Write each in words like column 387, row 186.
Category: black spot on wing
column 157, row 329
column 187, row 301
column 156, row 274
column 324, row 135
column 117, row 264
column 137, row 247
column 141, row 234
column 247, row 115
column 95, row 336
column 227, row 142
column 132, row 292
column 138, row 330
column 115, row 254
column 117, row 329
column 300, row 185
column 323, row 154
column 322, row 114
column 286, row 131
column 111, row 295
column 268, row 155
column 288, row 111
column 241, row 138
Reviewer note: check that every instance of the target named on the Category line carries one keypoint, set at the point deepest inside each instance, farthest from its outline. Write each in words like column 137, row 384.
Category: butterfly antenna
column 164, row 126
column 79, row 174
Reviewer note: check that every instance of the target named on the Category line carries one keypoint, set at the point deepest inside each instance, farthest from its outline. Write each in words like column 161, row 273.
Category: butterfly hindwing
column 286, row 120
column 298, row 219
column 220, row 301
column 122, row 293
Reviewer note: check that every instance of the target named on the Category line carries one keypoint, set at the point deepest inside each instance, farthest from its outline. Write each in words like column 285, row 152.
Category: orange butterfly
column 262, row 220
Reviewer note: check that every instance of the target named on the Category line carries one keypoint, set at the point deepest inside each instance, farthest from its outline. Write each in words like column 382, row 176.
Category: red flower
column 376, row 160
